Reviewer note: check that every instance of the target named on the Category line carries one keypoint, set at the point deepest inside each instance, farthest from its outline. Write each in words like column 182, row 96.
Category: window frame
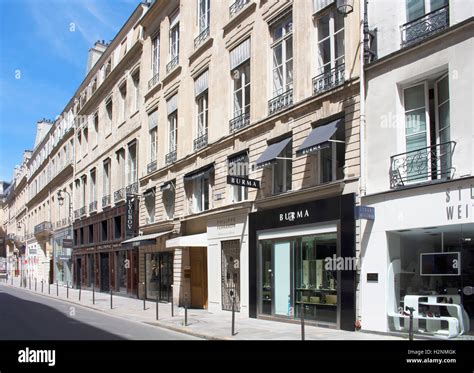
column 282, row 41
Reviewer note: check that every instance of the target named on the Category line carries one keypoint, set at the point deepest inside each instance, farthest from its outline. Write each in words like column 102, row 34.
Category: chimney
column 42, row 129
column 94, row 54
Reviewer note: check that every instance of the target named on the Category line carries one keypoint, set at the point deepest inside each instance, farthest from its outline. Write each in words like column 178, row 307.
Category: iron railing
column 201, row 37
column 119, row 195
column 200, row 141
column 280, row 102
column 151, row 167
column 106, row 201
column 237, row 7
column 132, row 188
column 425, row 26
column 239, row 122
column 153, row 81
column 83, row 211
column 172, row 64
column 329, row 79
column 425, row 164
column 43, row 227
column 171, row 157
column 11, row 236
column 76, row 214
column 93, row 207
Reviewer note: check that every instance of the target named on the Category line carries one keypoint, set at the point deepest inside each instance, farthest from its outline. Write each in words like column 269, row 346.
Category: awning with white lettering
column 319, row 138
column 272, row 152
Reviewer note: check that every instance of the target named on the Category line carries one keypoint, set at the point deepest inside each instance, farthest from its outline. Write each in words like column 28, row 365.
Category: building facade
column 418, row 251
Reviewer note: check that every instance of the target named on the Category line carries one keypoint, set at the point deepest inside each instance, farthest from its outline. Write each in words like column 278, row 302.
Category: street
column 27, row 316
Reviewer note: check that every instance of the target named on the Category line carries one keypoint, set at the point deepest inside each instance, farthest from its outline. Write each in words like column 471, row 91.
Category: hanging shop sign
column 129, row 216
column 365, row 212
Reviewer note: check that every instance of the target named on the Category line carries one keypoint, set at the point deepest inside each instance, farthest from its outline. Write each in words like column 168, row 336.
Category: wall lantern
column 345, row 6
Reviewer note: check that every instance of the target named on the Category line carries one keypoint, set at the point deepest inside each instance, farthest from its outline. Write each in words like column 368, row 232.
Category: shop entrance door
column 104, row 272
column 282, row 279
column 198, row 259
column 467, row 283
column 78, row 272
column 230, row 257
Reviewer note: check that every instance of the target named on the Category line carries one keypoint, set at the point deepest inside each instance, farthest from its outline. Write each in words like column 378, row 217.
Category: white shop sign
column 229, row 226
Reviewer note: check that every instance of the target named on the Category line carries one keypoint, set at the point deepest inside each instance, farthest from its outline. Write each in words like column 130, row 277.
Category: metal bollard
column 111, row 298
column 12, row 280
column 185, row 314
column 29, row 283
column 172, row 307
column 67, row 289
column 233, row 313
column 80, row 288
column 302, row 321
column 35, row 283
column 93, row 293
column 57, row 289
column 42, row 284
column 157, row 307
column 144, row 298
column 49, row 288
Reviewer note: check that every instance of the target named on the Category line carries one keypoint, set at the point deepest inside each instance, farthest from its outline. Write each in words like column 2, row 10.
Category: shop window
column 330, row 160
column 104, row 230
column 118, row 227
column 91, row 233
column 159, row 275
column 168, row 193
column 239, row 166
column 282, row 170
column 199, row 193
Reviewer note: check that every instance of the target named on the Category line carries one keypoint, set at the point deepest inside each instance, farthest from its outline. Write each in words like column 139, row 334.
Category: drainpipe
column 363, row 25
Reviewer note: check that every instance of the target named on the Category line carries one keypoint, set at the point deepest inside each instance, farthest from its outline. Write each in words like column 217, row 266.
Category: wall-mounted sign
column 67, row 243
column 365, row 212
column 242, row 181
column 372, row 277
column 129, row 216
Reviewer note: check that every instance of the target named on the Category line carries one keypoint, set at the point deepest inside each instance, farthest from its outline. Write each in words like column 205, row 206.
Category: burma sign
column 242, row 181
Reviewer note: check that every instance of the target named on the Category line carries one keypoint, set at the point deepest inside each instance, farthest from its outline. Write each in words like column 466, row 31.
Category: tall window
column 202, row 118
column 203, row 14
column 174, row 36
column 93, row 195
column 330, row 41
column 121, row 168
column 83, row 190
column 106, row 178
column 150, row 205
column 282, row 171
column 331, row 160
column 153, row 128
column 239, row 166
column 168, row 195
column 155, row 55
column 241, row 77
column 418, row 8
column 108, row 109
column 132, row 163
column 173, row 131
column 136, row 90
column 200, row 193
column 96, row 128
column 282, row 51
column 123, row 102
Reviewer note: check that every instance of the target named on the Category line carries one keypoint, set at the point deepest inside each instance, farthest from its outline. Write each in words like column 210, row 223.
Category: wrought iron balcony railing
column 200, row 141
column 153, row 81
column 119, row 195
column 201, row 37
column 329, row 79
column 171, row 157
column 237, row 7
column 11, row 236
column 172, row 64
column 132, row 188
column 82, row 211
column 151, row 167
column 280, row 102
column 93, row 207
column 106, row 201
column 76, row 214
column 239, row 122
column 425, row 164
column 43, row 227
column 425, row 26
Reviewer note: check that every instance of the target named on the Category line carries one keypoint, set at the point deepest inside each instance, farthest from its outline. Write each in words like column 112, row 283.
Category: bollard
column 233, row 313
column 29, row 283
column 172, row 307
column 12, row 280
column 57, row 289
column 35, row 283
column 144, row 298
column 186, row 314
column 67, row 289
column 110, row 298
column 49, row 288
column 157, row 307
column 42, row 283
column 302, row 321
column 80, row 288
column 93, row 293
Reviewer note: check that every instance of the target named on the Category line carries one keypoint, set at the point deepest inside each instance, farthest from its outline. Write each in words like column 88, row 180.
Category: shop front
column 62, row 251
column 295, row 256
column 420, row 256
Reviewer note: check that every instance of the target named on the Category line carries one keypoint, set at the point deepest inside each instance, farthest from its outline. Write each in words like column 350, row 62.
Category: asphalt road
column 27, row 316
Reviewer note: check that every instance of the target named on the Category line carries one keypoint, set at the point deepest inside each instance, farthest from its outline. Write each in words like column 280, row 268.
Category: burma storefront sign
column 242, row 181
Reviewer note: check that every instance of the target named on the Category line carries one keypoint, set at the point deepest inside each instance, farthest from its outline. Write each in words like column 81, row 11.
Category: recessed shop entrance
column 198, row 261
column 104, row 272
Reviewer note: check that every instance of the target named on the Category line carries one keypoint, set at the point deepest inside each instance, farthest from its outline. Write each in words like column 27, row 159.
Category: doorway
column 78, row 272
column 198, row 260
column 159, row 275
column 104, row 272
column 467, row 283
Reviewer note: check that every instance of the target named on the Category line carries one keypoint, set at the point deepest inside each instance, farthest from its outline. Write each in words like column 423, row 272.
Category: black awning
column 272, row 152
column 167, row 186
column 319, row 138
column 209, row 169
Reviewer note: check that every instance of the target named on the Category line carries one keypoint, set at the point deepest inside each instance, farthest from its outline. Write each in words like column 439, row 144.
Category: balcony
column 201, row 37
column 82, row 211
column 239, row 122
column 329, row 79
column 132, row 188
column 237, row 7
column 119, row 195
column 11, row 237
column 424, row 26
column 171, row 157
column 172, row 64
column 77, row 215
column 151, row 167
column 92, row 207
column 201, row 141
column 422, row 165
column 280, row 102
column 106, row 201
column 43, row 230
column 154, row 81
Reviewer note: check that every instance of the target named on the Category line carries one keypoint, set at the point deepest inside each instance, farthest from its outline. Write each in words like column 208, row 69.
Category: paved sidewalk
column 201, row 323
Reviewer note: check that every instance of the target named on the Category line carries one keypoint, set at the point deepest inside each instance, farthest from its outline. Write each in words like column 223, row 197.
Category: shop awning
column 272, row 152
column 319, row 138
column 193, row 240
column 145, row 239
column 169, row 185
column 199, row 173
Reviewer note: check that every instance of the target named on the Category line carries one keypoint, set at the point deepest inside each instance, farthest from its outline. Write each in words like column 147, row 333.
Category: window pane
column 247, row 73
column 289, row 48
column 415, row 122
column 415, row 9
column 289, row 75
column 338, row 21
column 323, row 27
column 247, row 99
column 436, row 4
column 278, row 81
column 324, row 52
column 444, row 116
column 326, row 165
column 416, row 141
column 443, row 90
column 415, row 97
column 339, row 44
column 277, row 55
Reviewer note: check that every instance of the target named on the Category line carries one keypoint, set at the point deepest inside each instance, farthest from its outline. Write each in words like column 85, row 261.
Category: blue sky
column 43, row 56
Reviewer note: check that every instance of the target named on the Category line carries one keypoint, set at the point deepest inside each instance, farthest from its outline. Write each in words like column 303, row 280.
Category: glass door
column 282, row 279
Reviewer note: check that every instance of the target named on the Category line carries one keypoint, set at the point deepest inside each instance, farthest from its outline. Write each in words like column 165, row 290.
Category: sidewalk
column 201, row 323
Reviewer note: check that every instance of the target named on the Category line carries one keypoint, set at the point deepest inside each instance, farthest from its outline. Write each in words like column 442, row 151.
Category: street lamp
column 61, row 200
column 345, row 6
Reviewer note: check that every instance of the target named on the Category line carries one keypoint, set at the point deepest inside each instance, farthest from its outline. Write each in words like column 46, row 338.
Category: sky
column 43, row 56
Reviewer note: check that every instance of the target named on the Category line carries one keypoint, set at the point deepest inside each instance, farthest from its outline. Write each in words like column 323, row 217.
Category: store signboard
column 67, row 243
column 243, row 181
column 129, row 216
column 440, row 264
column 365, row 212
